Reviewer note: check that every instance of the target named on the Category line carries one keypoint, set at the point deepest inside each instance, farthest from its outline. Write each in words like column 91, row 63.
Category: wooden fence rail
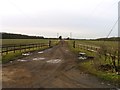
column 93, row 49
column 89, row 47
column 20, row 47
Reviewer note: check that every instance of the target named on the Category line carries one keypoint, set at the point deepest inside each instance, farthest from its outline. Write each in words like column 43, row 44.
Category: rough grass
column 23, row 41
column 108, row 76
column 12, row 56
column 108, row 44
column 91, row 66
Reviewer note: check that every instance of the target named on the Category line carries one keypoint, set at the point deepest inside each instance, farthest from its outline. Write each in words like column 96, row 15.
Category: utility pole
column 118, row 36
column 70, row 35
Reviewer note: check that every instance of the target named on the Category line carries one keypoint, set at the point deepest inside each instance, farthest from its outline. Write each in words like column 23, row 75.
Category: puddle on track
column 26, row 54
column 54, row 61
column 22, row 60
column 41, row 52
column 44, row 51
column 36, row 59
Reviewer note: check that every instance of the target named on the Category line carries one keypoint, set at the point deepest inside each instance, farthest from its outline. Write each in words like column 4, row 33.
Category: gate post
column 74, row 44
column 49, row 43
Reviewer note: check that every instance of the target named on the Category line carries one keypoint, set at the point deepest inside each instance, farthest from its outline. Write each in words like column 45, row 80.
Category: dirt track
column 52, row 68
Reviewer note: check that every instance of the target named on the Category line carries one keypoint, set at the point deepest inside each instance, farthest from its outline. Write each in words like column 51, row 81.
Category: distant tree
column 109, row 39
column 68, row 38
column 60, row 37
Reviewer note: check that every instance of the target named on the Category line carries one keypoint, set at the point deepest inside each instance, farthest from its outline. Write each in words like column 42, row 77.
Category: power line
column 113, row 27
column 71, row 35
column 18, row 8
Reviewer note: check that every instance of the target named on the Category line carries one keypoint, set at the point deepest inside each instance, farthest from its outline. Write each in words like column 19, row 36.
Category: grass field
column 23, row 41
column 108, row 44
column 12, row 56
column 92, row 66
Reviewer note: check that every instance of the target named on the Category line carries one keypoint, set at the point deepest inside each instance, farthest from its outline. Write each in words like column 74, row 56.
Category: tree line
column 109, row 39
column 18, row 36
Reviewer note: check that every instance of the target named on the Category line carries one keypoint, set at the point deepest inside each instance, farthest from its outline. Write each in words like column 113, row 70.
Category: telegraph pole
column 70, row 35
column 119, row 36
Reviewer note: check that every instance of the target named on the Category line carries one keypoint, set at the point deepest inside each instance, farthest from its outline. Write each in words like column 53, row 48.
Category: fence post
column 33, row 46
column 49, row 43
column 20, row 48
column 14, row 48
column 6, row 50
column 74, row 44
column 25, row 48
column 36, row 45
column 39, row 45
column 29, row 46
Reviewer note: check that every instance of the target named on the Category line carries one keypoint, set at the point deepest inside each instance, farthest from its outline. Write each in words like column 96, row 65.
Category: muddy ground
column 52, row 68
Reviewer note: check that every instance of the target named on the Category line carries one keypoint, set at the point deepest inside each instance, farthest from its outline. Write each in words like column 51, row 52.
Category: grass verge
column 90, row 66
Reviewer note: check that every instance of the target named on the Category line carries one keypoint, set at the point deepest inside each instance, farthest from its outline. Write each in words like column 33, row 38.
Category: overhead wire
column 113, row 27
column 19, row 9
column 115, row 23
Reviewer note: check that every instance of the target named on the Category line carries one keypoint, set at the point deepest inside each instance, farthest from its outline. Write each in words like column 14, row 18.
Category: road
column 52, row 68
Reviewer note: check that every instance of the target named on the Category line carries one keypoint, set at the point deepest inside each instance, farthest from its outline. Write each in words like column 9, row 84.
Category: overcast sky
column 82, row 18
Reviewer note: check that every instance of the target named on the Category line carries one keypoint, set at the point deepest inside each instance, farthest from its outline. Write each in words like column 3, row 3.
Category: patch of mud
column 54, row 61
column 36, row 59
column 16, row 75
column 47, row 50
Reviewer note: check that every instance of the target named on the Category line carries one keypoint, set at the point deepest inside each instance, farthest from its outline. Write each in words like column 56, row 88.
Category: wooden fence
column 21, row 47
column 92, row 49
column 88, row 47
